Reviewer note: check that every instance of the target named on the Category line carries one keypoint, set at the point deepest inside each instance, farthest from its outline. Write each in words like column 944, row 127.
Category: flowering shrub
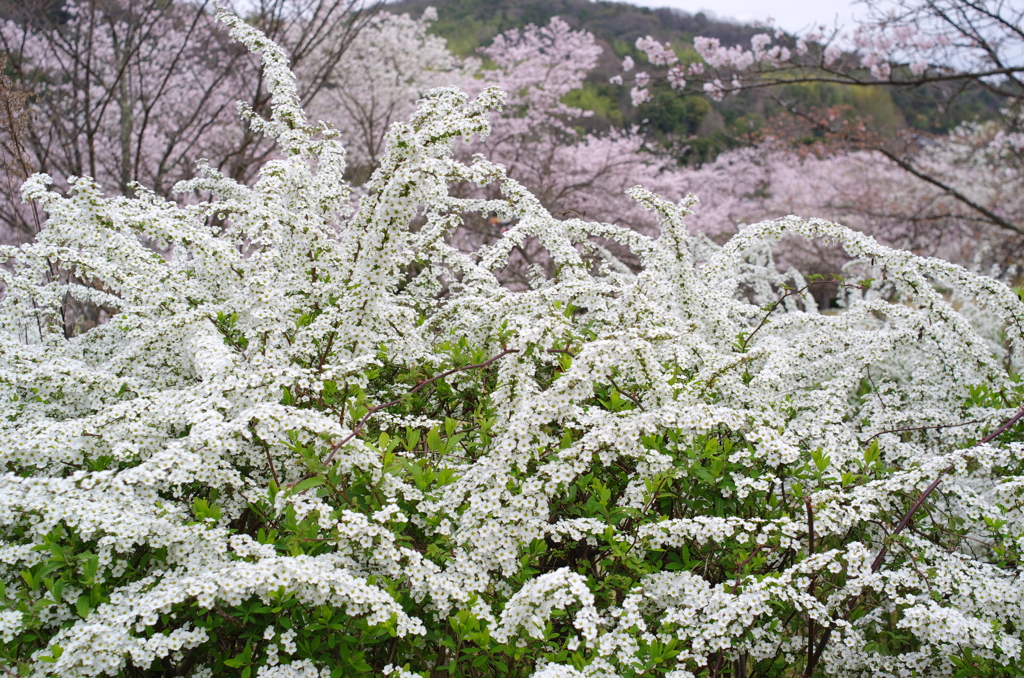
column 317, row 440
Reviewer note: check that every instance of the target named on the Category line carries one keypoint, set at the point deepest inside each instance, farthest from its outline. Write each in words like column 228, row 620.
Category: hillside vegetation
column 695, row 128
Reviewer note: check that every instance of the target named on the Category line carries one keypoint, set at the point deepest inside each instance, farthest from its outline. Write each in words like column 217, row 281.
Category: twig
column 810, row 552
column 810, row 526
column 874, row 389
column 923, row 428
column 273, row 471
column 224, row 615
column 989, row 214
column 792, row 293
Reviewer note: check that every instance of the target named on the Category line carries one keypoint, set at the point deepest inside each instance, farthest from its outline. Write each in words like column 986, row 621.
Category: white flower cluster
column 232, row 442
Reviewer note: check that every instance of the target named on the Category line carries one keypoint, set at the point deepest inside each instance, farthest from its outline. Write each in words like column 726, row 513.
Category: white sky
column 790, row 15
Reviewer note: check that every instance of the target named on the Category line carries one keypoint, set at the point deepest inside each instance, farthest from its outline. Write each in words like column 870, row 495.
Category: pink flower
column 676, row 77
column 715, row 89
column 639, row 96
column 758, row 43
column 657, row 54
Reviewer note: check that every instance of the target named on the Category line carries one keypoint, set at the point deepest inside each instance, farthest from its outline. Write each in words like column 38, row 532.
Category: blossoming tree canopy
column 123, row 92
column 955, row 46
column 535, row 139
column 128, row 91
column 318, row 440
column 377, row 81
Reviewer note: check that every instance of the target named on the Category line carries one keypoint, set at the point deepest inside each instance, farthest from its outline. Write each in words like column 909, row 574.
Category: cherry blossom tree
column 383, row 72
column 122, row 92
column 962, row 45
column 903, row 42
column 535, row 137
column 141, row 91
column 866, row 191
column 537, row 140
column 318, row 440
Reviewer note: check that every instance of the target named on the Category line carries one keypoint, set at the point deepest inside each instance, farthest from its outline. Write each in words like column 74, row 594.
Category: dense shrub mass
column 318, row 440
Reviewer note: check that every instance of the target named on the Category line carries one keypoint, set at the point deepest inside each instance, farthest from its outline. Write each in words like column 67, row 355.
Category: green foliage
column 601, row 99
column 672, row 115
column 876, row 102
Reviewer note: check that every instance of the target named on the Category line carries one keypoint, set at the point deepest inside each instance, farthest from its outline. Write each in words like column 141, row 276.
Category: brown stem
column 224, row 615
column 981, row 209
column 791, row 293
column 810, row 552
column 810, row 526
column 935, row 483
column 922, row 428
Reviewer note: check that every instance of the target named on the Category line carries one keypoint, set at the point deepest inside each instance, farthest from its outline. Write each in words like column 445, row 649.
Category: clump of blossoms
column 317, row 440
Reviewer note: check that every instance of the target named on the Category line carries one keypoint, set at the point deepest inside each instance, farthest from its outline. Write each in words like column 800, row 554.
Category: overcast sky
column 790, row 15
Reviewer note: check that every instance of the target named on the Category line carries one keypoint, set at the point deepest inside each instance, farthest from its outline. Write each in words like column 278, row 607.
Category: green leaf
column 58, row 552
column 821, row 460
column 45, row 570
column 433, row 440
column 704, row 475
column 56, row 588
column 412, row 438
column 29, row 579
column 55, row 652
column 871, row 454
column 90, row 565
column 307, row 484
column 453, row 442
